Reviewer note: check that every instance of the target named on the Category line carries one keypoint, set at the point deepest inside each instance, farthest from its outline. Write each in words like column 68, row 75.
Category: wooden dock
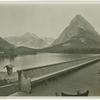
column 34, row 81
column 46, row 72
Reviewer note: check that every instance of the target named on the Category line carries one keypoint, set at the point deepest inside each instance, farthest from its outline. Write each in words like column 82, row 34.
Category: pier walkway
column 67, row 79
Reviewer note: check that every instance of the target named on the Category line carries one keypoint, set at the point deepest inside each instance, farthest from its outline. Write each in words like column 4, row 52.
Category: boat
column 78, row 94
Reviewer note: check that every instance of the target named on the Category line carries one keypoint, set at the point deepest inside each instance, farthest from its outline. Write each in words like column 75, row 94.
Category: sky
column 44, row 20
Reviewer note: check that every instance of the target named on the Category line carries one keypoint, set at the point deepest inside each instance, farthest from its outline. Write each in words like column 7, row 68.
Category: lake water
column 39, row 59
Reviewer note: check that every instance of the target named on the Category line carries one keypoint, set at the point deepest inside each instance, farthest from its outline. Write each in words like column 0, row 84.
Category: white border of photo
column 49, row 2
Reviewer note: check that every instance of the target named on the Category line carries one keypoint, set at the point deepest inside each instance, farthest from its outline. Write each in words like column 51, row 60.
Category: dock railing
column 31, row 76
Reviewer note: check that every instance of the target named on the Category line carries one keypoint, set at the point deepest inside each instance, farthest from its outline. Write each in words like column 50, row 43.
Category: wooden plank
column 19, row 94
column 8, row 89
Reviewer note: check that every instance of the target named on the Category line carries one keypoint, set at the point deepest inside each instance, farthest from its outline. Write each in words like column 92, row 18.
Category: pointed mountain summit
column 77, row 23
column 79, row 37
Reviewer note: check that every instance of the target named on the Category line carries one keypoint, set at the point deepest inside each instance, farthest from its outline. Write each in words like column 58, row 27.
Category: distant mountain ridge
column 79, row 36
column 49, row 40
column 27, row 40
column 5, row 45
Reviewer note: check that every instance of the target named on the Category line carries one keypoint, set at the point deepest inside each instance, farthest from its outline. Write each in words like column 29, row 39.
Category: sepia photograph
column 49, row 49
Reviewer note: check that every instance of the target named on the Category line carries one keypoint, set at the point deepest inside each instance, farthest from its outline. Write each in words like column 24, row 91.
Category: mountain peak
column 30, row 35
column 80, row 21
column 76, row 26
column 78, row 16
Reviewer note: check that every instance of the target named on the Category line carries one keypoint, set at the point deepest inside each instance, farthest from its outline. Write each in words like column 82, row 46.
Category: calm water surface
column 39, row 59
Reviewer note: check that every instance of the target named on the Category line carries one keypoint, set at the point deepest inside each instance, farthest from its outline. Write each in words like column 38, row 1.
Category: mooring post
column 19, row 79
column 24, row 83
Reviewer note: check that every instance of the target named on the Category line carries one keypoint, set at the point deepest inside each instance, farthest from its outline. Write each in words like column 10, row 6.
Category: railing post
column 24, row 83
column 19, row 79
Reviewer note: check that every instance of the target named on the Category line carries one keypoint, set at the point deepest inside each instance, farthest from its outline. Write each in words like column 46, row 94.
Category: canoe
column 81, row 94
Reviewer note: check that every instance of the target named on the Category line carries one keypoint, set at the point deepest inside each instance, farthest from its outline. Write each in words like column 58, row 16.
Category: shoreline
column 5, row 79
